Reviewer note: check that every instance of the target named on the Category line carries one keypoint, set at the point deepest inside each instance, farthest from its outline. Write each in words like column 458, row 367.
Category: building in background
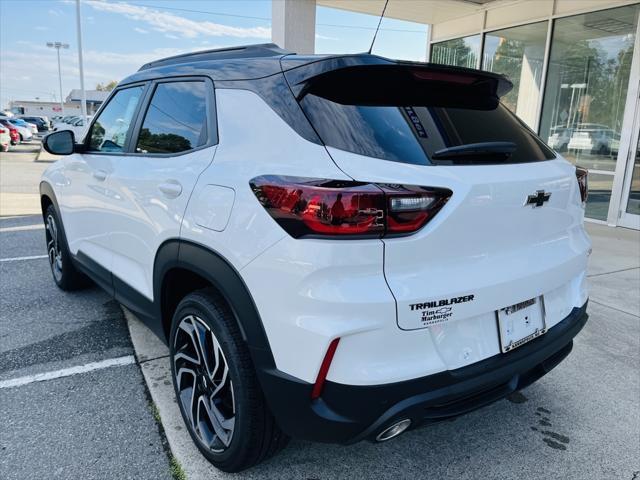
column 575, row 66
column 71, row 104
column 94, row 99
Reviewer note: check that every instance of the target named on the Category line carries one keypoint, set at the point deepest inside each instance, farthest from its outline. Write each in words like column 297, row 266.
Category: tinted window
column 176, row 119
column 109, row 131
column 411, row 134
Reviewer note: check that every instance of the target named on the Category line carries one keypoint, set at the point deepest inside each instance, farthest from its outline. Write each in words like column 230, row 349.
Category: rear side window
column 109, row 131
column 414, row 120
column 176, row 120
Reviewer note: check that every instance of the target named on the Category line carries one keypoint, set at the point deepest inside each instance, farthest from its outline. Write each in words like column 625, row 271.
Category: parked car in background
column 13, row 131
column 64, row 121
column 5, row 139
column 559, row 138
column 24, row 131
column 41, row 122
column 594, row 138
column 29, row 126
column 77, row 125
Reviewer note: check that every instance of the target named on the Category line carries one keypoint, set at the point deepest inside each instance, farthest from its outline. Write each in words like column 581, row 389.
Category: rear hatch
column 512, row 229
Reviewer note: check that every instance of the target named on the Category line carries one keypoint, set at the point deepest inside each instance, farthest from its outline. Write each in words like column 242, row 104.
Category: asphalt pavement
column 97, row 424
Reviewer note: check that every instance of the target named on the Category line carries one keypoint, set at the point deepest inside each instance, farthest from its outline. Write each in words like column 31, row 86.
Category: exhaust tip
column 393, row 430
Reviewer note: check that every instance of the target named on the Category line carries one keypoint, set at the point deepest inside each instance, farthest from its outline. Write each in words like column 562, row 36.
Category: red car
column 13, row 132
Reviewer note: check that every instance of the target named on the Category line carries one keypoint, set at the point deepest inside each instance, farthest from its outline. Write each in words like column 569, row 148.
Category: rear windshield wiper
column 498, row 150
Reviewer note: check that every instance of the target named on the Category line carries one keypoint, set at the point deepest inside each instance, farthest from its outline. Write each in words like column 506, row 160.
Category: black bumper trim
column 350, row 413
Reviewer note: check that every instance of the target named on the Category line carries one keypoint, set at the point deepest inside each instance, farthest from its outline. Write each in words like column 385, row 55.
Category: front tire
column 216, row 386
column 65, row 274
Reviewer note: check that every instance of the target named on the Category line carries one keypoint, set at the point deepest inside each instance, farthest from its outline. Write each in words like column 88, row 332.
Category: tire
column 64, row 272
column 21, row 138
column 246, row 430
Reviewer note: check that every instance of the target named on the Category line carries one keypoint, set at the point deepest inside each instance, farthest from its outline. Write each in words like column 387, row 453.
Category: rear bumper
column 350, row 413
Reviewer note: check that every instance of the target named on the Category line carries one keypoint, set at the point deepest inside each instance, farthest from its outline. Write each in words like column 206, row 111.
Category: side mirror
column 61, row 142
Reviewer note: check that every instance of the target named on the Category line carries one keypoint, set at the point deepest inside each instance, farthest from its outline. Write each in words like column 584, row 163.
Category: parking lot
column 582, row 421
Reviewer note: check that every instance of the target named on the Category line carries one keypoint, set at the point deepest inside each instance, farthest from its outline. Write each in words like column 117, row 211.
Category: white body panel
column 152, row 194
column 247, row 150
column 85, row 199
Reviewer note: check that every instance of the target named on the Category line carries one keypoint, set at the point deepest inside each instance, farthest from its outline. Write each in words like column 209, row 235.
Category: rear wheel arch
column 47, row 197
column 182, row 267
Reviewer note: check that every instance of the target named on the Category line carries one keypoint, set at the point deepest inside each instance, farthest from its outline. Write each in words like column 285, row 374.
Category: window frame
column 125, row 149
column 141, row 113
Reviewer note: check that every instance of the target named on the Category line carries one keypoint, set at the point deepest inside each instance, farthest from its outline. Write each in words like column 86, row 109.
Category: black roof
column 236, row 63
column 261, row 50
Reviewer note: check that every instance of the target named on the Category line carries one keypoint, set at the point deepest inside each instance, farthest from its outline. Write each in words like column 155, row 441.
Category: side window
column 176, row 119
column 110, row 129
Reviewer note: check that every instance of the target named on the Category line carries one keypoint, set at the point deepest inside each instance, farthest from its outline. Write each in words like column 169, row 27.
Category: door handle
column 170, row 188
column 100, row 175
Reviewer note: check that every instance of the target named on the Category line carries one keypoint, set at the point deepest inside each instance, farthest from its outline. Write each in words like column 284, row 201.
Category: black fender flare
column 213, row 267
column 47, row 190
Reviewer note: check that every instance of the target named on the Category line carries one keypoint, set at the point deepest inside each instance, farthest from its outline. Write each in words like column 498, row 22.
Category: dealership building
column 574, row 64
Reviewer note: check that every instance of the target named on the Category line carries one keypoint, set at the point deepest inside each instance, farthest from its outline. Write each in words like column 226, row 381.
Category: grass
column 155, row 412
column 177, row 473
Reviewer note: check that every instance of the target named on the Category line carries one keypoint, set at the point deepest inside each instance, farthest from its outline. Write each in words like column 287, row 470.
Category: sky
column 120, row 36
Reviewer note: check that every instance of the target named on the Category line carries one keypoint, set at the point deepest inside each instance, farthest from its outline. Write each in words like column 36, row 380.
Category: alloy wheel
column 53, row 247
column 203, row 383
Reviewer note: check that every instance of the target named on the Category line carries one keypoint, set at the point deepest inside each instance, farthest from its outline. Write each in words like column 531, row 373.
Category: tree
column 106, row 87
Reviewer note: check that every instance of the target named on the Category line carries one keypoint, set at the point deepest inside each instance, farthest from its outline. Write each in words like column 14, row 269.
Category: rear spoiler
column 371, row 80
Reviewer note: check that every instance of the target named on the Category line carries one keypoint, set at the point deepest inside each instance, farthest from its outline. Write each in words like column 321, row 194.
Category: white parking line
column 21, row 228
column 67, row 372
column 17, row 259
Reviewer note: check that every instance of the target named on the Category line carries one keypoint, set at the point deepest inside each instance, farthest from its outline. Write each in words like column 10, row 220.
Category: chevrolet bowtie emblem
column 537, row 199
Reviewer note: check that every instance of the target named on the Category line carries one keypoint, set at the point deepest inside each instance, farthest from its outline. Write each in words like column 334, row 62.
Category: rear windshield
column 412, row 133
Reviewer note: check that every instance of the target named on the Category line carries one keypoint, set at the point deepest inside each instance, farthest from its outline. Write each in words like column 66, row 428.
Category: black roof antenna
column 378, row 27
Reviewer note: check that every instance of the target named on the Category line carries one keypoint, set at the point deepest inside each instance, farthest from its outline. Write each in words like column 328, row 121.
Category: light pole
column 58, row 46
column 82, row 90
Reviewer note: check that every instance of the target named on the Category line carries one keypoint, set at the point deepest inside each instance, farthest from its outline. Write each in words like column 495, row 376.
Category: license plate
column 521, row 323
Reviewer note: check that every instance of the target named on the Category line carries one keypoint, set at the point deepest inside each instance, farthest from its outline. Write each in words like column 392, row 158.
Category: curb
column 153, row 357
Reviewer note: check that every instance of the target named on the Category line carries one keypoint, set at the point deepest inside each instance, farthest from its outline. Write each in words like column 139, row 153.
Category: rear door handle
column 100, row 175
column 170, row 188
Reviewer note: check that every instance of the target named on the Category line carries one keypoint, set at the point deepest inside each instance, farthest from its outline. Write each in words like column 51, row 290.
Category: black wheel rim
column 53, row 247
column 205, row 389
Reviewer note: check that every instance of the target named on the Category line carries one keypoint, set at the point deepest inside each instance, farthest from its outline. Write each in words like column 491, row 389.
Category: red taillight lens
column 307, row 207
column 582, row 174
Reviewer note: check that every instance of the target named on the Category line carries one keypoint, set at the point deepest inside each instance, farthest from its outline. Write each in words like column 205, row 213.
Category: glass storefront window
column 586, row 92
column 600, row 186
column 518, row 53
column 459, row 52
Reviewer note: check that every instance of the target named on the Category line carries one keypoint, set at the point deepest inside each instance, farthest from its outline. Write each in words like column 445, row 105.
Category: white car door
column 88, row 198
column 173, row 142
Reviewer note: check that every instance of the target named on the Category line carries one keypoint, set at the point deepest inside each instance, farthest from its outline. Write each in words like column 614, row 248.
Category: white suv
column 335, row 248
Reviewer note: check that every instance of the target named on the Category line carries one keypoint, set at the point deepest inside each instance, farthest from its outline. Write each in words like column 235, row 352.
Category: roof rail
column 248, row 51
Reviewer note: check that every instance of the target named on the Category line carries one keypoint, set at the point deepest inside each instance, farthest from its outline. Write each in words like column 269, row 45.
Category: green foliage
column 107, row 87
column 177, row 473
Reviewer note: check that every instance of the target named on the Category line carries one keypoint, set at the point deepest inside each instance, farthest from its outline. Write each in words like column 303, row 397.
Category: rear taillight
column 582, row 174
column 307, row 207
